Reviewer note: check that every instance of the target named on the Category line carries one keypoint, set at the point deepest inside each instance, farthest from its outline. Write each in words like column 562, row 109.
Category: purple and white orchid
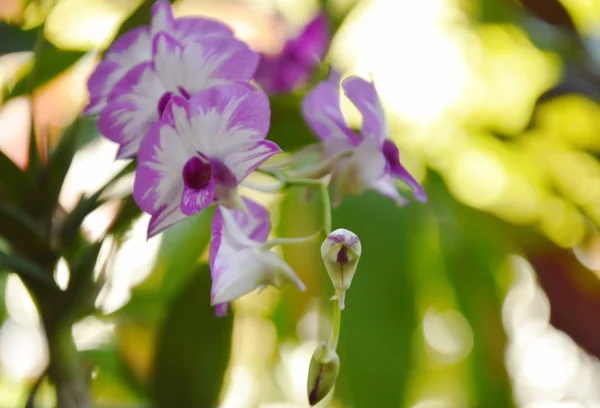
column 374, row 160
column 135, row 47
column 294, row 65
column 199, row 151
column 139, row 98
column 240, row 259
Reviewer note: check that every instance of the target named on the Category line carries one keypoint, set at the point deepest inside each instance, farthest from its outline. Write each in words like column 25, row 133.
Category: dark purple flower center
column 342, row 256
column 163, row 102
column 197, row 173
column 183, row 92
column 222, row 174
column 391, row 153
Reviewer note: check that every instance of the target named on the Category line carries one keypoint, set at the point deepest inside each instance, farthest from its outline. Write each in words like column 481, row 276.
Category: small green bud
column 340, row 252
column 322, row 373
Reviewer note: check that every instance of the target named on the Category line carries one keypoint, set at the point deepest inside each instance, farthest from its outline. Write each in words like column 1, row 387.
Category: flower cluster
column 178, row 97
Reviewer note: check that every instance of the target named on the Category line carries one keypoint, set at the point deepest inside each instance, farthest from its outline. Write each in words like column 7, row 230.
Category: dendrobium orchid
column 240, row 259
column 294, row 65
column 199, row 151
column 139, row 98
column 374, row 160
column 135, row 47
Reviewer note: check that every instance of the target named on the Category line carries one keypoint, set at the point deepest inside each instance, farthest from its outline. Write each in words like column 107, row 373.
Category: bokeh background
column 486, row 296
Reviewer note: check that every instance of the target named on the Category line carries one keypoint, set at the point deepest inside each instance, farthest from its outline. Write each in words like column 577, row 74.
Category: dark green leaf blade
column 14, row 39
column 24, row 267
column 52, row 62
column 474, row 248
column 193, row 349
column 59, row 162
column 380, row 316
column 14, row 182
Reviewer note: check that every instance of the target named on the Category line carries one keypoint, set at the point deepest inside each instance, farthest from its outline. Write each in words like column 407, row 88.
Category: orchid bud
column 322, row 373
column 340, row 252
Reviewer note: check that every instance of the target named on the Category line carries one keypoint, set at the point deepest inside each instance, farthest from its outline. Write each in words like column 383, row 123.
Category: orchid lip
column 197, row 173
column 342, row 256
column 163, row 102
column 391, row 153
column 184, row 92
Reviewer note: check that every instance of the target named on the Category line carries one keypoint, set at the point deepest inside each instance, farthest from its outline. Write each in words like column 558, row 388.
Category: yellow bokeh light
column 478, row 178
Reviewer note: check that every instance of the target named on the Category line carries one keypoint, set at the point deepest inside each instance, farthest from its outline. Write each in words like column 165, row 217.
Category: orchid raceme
column 240, row 259
column 294, row 65
column 374, row 161
column 135, row 47
column 199, row 151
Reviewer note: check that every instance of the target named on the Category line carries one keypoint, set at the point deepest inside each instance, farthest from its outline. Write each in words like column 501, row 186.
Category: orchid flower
column 240, row 259
column 293, row 66
column 139, row 98
column 199, row 151
column 135, row 47
column 374, row 161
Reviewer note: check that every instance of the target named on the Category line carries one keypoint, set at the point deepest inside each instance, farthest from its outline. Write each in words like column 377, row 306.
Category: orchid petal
column 132, row 108
column 311, row 44
column 125, row 53
column 158, row 177
column 322, row 113
column 244, row 163
column 161, row 17
column 364, row 96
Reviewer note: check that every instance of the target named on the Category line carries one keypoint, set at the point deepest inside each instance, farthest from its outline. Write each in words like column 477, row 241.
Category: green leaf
column 474, row 247
column 14, row 182
column 193, row 349
column 19, row 40
column 288, row 128
column 20, row 230
column 88, row 131
column 25, row 268
column 59, row 162
column 380, row 317
column 51, row 62
column 112, row 369
column 299, row 218
column 127, row 214
column 180, row 250
column 69, row 229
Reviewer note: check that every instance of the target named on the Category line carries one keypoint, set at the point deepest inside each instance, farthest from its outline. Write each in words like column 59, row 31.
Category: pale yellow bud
column 322, row 373
column 340, row 252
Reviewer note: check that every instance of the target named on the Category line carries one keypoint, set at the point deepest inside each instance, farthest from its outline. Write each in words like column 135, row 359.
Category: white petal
column 248, row 270
column 369, row 161
column 242, row 273
column 232, row 232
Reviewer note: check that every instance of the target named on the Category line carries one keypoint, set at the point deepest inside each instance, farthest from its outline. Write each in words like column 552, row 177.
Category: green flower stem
column 290, row 241
column 326, row 208
column 337, row 322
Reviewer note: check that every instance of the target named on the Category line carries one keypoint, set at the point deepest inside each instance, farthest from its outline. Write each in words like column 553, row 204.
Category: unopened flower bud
column 341, row 252
column 322, row 373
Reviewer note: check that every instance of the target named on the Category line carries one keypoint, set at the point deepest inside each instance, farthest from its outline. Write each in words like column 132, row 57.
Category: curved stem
column 290, row 241
column 337, row 322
